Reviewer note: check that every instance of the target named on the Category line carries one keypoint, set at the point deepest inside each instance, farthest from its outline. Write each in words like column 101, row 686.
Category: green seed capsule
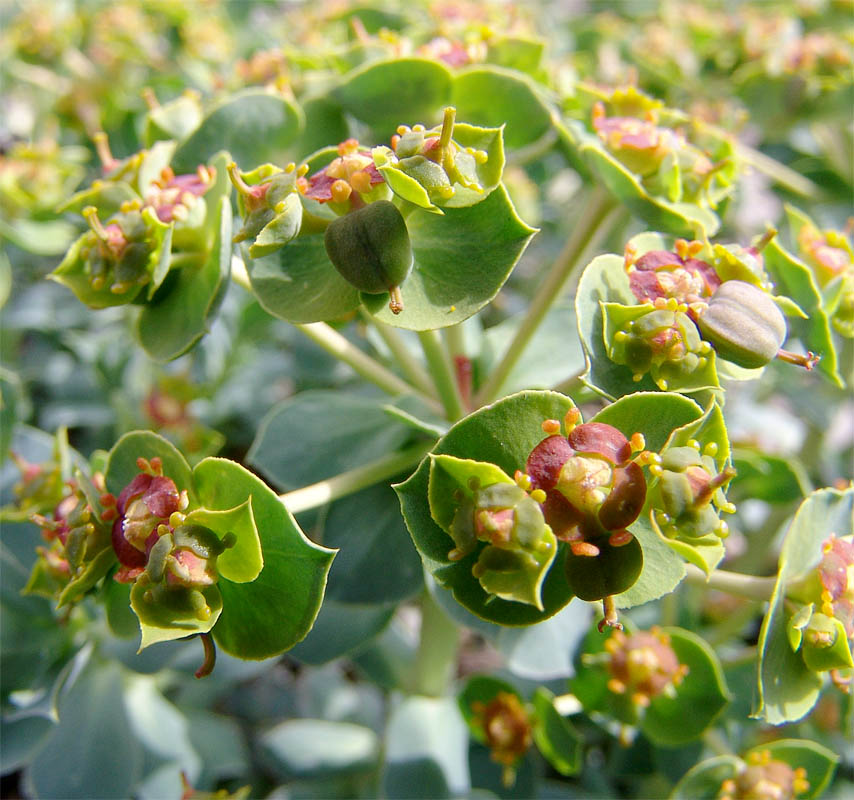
column 743, row 324
column 370, row 248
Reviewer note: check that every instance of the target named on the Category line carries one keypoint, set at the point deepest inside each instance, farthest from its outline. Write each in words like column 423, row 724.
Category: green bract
column 485, row 505
column 222, row 564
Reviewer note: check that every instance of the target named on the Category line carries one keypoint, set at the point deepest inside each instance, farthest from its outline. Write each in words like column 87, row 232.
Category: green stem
column 369, row 368
column 384, row 468
column 587, row 231
column 750, row 586
column 338, row 346
column 442, row 370
column 779, row 173
column 437, row 649
column 415, row 374
column 568, row 385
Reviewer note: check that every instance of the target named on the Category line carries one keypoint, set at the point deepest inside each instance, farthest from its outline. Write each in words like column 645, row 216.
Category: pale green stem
column 338, row 346
column 779, row 173
column 588, row 230
column 437, row 649
column 442, row 370
column 346, row 483
column 567, row 385
column 414, row 372
column 750, row 586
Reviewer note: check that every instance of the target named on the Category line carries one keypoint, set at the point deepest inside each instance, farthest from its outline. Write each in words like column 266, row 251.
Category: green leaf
column 377, row 563
column 426, row 747
column 182, row 311
column 176, row 119
column 680, row 219
column 342, row 629
column 243, row 561
column 449, row 474
column 398, row 91
column 270, row 614
column 254, row 126
column 318, row 434
column 488, row 238
column 306, row 748
column 298, row 283
column 44, row 238
column 166, row 614
column 667, row 721
column 703, row 781
column 796, row 279
column 502, row 434
column 555, row 736
column 788, row 689
column 122, row 469
column 106, row 196
column 493, row 96
column 79, row 757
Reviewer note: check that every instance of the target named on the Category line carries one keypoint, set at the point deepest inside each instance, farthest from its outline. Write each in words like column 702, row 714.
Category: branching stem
column 442, row 370
column 750, row 586
column 346, row 483
column 588, row 230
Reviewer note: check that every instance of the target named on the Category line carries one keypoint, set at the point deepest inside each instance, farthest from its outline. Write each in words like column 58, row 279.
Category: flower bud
column 643, row 666
column 508, row 731
column 764, row 778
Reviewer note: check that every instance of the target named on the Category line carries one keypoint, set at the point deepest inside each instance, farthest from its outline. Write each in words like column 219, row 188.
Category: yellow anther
column 693, row 443
column 638, row 377
column 341, row 191
column 538, row 496
column 418, row 128
column 571, row 419
column 637, row 442
column 402, row 130
column 302, row 169
column 361, row 182
column 710, row 449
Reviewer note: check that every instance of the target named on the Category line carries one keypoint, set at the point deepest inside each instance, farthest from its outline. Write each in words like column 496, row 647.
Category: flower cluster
column 765, row 778
column 507, row 729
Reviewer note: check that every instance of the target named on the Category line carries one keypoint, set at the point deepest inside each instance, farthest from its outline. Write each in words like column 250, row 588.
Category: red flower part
column 353, row 170
column 546, row 461
column 591, row 484
column 601, row 439
column 172, row 195
column 660, row 273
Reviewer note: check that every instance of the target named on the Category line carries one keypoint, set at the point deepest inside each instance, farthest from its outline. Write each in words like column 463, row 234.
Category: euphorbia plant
column 574, row 494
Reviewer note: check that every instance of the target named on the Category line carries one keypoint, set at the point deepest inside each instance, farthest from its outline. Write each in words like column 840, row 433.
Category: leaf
column 493, row 96
column 272, row 613
column 176, row 119
column 44, row 238
column 79, row 757
column 502, row 434
column 703, row 692
column 555, row 736
column 342, row 629
column 788, row 689
column 181, row 313
column 704, row 780
column 767, row 477
column 462, row 259
column 426, row 750
column 307, row 748
column 399, row 91
column 243, row 561
column 377, row 563
column 680, row 219
column 254, row 126
column 298, row 283
column 122, row 468
column 320, row 433
column 796, row 279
